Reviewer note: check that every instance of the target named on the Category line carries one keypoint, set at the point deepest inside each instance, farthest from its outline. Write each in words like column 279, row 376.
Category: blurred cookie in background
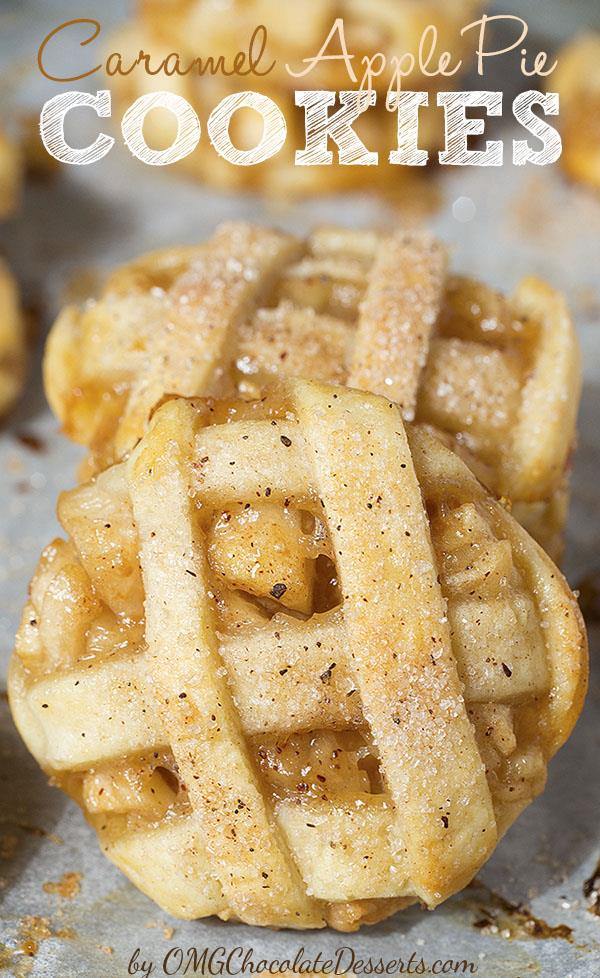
column 577, row 80
column 216, row 31
column 12, row 341
column 12, row 328
column 10, row 176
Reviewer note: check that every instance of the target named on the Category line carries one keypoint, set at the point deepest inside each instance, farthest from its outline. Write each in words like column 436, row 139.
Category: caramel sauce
column 67, row 887
column 513, row 921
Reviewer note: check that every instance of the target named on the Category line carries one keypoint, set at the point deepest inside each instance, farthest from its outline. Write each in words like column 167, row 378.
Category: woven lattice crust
column 353, row 668
column 499, row 376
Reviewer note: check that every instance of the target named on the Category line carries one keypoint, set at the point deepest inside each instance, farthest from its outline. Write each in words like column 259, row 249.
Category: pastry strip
column 396, row 319
column 248, row 852
column 398, row 636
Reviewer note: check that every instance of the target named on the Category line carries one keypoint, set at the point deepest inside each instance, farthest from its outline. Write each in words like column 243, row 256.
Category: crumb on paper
column 32, row 931
column 495, row 915
column 31, row 441
column 67, row 887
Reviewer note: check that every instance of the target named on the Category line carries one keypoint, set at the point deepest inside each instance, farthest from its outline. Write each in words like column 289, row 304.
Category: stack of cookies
column 298, row 656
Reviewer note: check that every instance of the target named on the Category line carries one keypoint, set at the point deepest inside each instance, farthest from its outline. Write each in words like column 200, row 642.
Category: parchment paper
column 523, row 221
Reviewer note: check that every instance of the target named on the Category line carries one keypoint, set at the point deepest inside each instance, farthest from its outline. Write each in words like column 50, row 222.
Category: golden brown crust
column 325, row 748
column 499, row 376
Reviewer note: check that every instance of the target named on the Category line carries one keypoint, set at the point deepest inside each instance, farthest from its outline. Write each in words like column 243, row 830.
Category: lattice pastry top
column 499, row 375
column 577, row 80
column 353, row 669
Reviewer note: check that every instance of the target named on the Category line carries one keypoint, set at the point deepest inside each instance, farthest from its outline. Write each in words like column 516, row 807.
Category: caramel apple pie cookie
column 379, row 30
column 295, row 664
column 498, row 376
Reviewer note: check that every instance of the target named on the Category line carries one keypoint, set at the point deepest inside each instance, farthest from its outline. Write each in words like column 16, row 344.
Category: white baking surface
column 523, row 221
